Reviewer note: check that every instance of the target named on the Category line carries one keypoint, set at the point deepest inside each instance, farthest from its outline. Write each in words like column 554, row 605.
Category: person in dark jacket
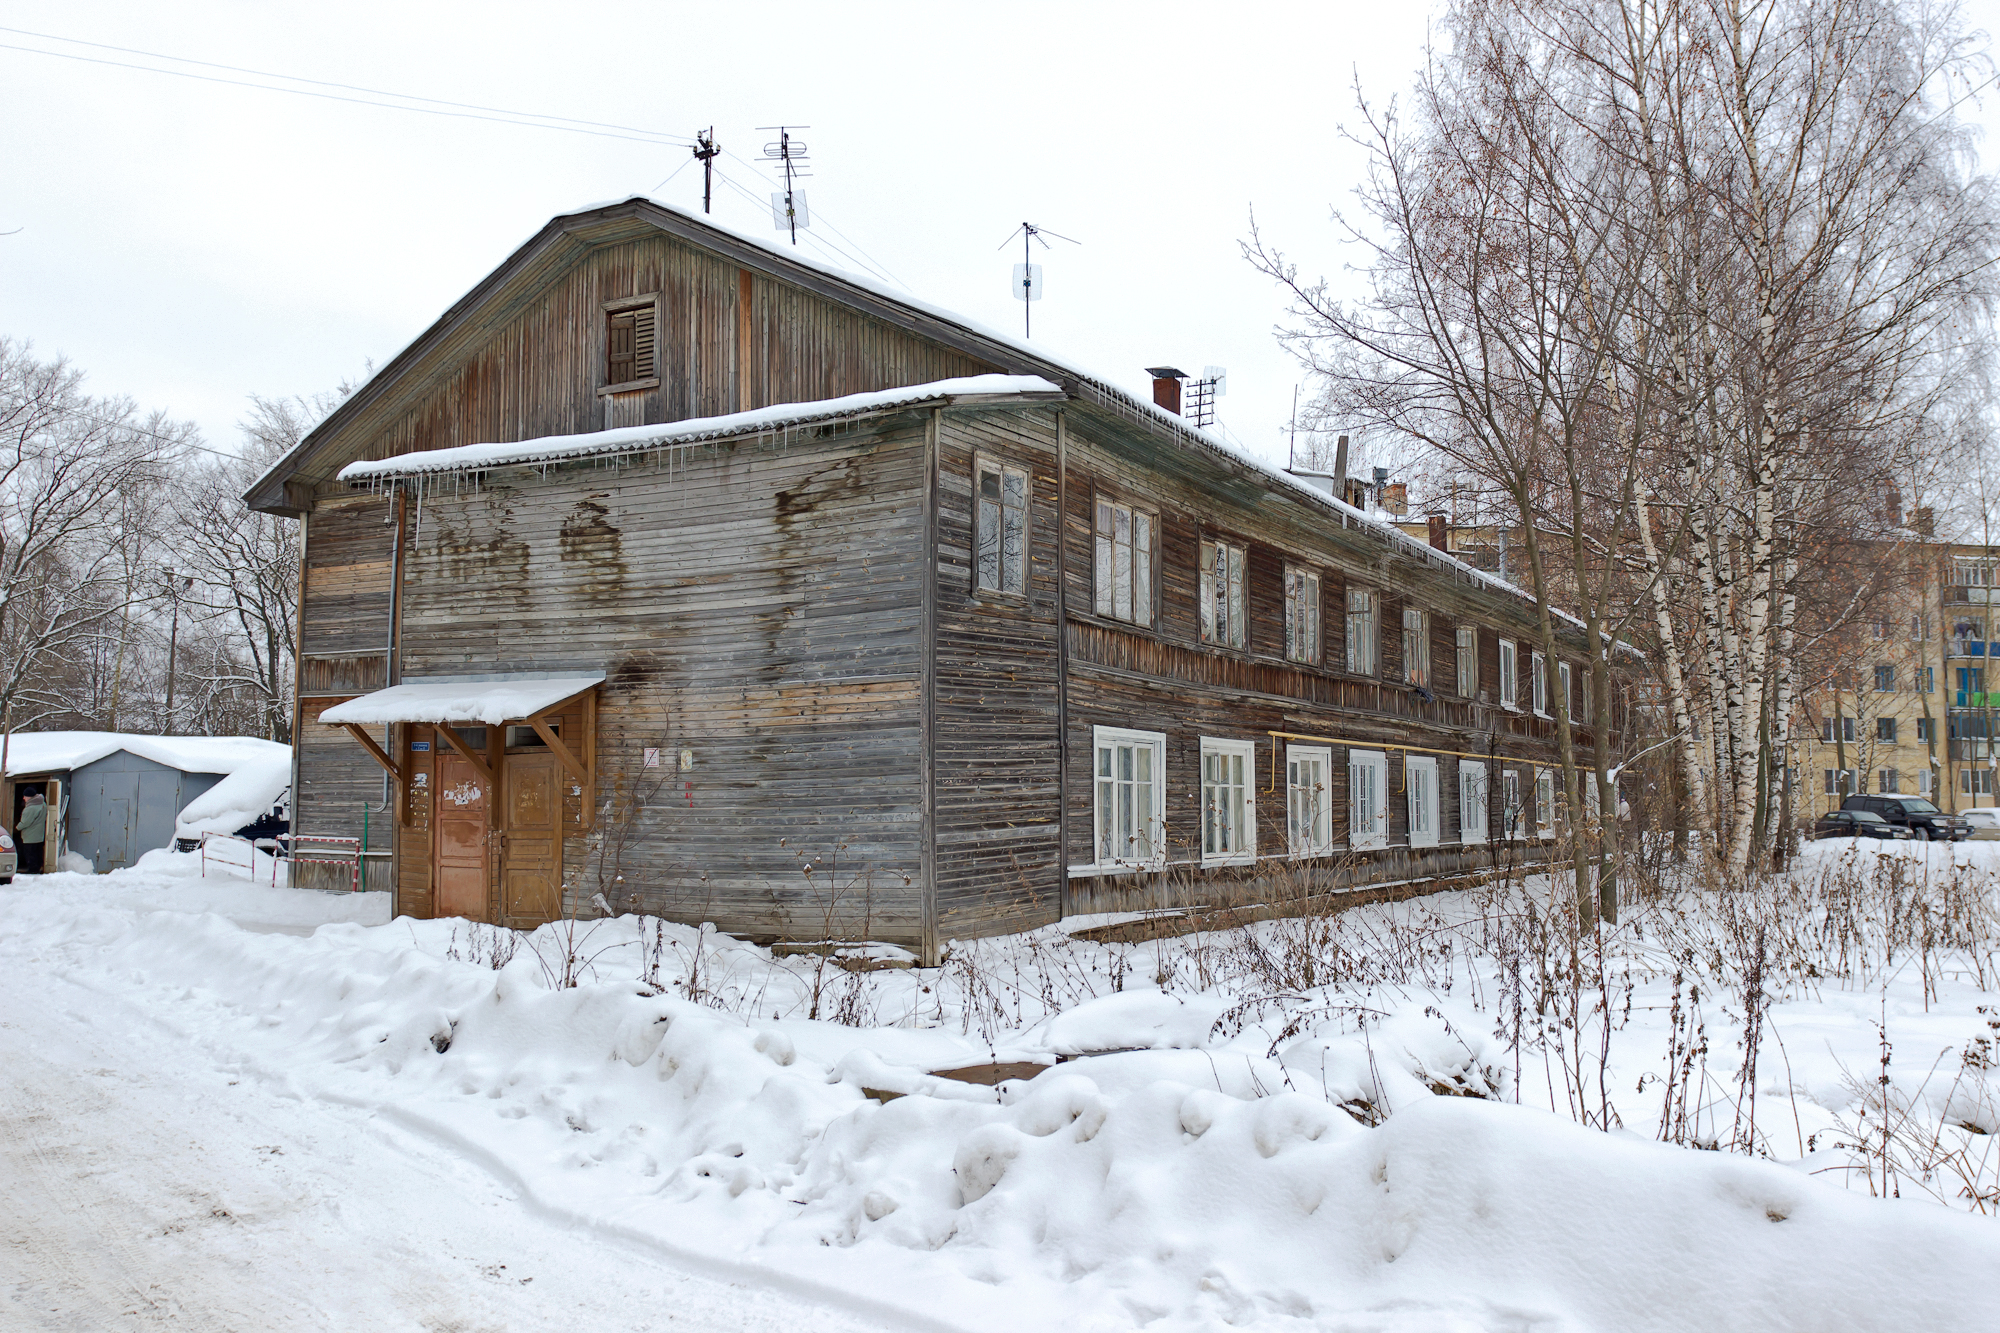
column 31, row 834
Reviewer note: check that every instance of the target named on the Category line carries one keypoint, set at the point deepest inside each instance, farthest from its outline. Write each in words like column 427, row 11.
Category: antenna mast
column 788, row 210
column 1028, row 274
column 706, row 150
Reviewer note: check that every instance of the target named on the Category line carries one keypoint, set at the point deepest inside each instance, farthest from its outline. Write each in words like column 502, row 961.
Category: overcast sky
column 191, row 243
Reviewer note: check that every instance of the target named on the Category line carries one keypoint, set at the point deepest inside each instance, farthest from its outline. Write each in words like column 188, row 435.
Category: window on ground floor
column 1308, row 800
column 1471, row 801
column 1420, row 781
column 1228, row 802
column 1367, row 813
column 1129, row 812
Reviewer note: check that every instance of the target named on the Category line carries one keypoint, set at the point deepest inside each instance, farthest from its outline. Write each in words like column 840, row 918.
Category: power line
column 328, row 83
column 526, row 119
column 860, row 261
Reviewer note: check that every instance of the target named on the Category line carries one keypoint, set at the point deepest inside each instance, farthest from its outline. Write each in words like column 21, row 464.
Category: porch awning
column 462, row 700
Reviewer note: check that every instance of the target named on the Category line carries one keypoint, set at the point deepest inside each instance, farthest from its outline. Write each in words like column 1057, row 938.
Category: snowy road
column 145, row 1185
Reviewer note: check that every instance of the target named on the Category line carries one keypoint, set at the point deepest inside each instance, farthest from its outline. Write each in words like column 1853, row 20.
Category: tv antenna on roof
column 706, row 151
column 1027, row 273
column 788, row 208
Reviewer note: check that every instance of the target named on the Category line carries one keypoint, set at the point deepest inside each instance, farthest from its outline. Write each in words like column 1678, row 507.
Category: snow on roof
column 633, row 439
column 1131, row 403
column 59, row 751
column 488, row 699
column 241, row 798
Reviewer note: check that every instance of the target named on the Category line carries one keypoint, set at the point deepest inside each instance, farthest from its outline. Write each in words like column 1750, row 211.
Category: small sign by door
column 652, row 758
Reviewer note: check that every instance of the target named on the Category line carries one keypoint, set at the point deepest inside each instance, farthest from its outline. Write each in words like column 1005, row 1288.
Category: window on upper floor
column 1926, row 679
column 630, row 341
column 1416, row 647
column 1510, row 685
column 1885, row 676
column 1361, row 632
column 1124, row 564
column 1566, row 677
column 1925, row 730
column 1000, row 528
column 1301, row 614
column 1224, row 608
column 1827, row 728
column 1468, row 662
column 1538, row 681
column 1885, row 729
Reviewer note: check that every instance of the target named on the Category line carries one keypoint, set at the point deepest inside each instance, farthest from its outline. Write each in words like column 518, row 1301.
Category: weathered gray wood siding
column 343, row 643
column 996, row 738
column 756, row 604
column 728, row 339
column 1164, row 679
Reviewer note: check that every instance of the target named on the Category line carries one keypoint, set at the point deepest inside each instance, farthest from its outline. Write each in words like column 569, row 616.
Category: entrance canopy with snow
column 451, row 702
column 462, row 700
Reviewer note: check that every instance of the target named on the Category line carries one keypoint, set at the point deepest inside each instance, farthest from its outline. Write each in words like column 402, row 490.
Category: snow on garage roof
column 488, row 699
column 59, row 751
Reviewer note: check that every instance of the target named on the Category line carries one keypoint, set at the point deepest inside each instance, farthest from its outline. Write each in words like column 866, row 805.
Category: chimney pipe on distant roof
column 1167, row 387
column 1340, row 467
column 1439, row 531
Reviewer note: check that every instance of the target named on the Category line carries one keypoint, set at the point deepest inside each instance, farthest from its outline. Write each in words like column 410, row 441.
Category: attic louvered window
column 629, row 342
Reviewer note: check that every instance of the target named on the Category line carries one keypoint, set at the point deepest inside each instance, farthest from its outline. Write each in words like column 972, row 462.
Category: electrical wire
column 525, row 119
column 826, row 247
column 866, row 261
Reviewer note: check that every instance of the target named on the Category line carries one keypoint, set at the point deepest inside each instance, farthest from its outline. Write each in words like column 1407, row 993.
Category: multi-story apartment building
column 1906, row 707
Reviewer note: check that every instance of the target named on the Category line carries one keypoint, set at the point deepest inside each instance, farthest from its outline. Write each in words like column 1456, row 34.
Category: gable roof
column 567, row 235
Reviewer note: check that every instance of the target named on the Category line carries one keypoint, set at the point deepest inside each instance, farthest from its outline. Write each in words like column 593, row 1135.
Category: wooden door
column 531, row 852
column 460, row 817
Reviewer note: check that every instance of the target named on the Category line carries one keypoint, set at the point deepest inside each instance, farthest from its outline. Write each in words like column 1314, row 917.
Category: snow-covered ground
column 1246, row 1128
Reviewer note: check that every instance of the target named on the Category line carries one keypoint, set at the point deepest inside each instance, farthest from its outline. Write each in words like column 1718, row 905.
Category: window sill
column 1116, row 868
column 630, row 386
column 1233, row 859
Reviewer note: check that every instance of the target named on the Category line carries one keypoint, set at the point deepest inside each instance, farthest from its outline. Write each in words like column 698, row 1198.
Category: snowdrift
column 1160, row 1172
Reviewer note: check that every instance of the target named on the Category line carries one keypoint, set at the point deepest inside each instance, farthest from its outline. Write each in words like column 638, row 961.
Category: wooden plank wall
column 755, row 604
column 343, row 639
column 533, row 364
column 1163, row 679
column 997, row 738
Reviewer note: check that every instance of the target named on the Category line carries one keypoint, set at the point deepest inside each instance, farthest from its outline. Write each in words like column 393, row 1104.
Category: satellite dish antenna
column 1027, row 273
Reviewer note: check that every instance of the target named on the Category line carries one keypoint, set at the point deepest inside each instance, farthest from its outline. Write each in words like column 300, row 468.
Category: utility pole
column 173, row 639
column 706, row 150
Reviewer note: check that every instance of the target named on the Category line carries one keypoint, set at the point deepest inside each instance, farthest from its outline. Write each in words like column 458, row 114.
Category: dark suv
column 1918, row 815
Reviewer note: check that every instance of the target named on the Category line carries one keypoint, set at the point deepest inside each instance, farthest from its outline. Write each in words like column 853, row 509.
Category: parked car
column 1856, row 824
column 9, row 859
column 1914, row 813
column 1985, row 823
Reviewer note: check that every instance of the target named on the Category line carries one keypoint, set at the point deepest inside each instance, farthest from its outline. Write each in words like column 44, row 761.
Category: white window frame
column 1308, row 803
column 1228, row 802
column 1420, row 786
column 1367, row 799
column 1225, row 611
column 1510, row 803
column 1926, row 783
column 1467, row 638
column 1545, row 803
column 1538, row 682
column 1567, row 675
column 1140, row 552
column 1114, row 738
column 1472, row 813
column 1010, row 571
column 1416, row 646
column 1364, row 634
column 1510, row 676
column 1302, row 611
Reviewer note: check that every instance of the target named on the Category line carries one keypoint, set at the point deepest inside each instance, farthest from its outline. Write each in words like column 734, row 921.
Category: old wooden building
column 670, row 569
